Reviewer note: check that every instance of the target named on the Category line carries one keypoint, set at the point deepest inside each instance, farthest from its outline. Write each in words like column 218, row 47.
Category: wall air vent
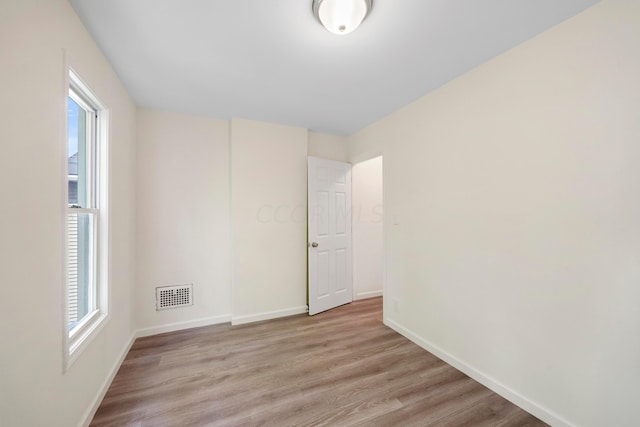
column 174, row 296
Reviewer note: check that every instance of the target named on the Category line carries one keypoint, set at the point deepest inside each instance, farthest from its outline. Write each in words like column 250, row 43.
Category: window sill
column 81, row 338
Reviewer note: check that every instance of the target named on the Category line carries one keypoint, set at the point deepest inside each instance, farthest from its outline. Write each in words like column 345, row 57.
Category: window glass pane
column 77, row 154
column 87, row 296
column 81, row 266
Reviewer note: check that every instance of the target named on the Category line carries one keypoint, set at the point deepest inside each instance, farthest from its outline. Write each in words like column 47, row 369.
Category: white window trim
column 75, row 341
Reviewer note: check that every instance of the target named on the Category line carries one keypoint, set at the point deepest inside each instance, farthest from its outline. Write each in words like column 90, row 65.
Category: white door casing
column 329, row 230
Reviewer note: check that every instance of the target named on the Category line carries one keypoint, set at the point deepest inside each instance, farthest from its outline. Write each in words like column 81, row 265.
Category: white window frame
column 78, row 338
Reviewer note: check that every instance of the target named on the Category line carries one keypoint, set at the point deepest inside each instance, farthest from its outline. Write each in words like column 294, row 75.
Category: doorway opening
column 345, row 232
column 367, row 228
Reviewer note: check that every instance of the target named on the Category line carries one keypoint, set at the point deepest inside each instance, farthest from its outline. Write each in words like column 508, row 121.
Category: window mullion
column 77, row 210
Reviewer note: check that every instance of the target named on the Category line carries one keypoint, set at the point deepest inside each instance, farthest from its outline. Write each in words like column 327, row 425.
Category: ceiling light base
column 341, row 16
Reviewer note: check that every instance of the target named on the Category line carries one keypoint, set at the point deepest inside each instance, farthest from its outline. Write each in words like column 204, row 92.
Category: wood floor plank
column 297, row 371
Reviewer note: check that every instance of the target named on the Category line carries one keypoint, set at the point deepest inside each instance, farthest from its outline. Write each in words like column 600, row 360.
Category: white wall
column 366, row 179
column 512, row 219
column 326, row 146
column 182, row 218
column 33, row 389
column 269, row 197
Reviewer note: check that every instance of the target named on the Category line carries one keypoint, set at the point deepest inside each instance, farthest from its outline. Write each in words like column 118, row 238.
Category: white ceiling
column 270, row 60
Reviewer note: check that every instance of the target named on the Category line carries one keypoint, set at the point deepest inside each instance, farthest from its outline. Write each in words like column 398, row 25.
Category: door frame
column 354, row 161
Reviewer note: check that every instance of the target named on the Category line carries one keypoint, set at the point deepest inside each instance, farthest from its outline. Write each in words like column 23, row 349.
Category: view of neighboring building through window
column 86, row 302
column 81, row 249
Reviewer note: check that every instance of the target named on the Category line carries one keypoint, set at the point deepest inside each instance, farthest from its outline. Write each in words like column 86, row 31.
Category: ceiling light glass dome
column 341, row 16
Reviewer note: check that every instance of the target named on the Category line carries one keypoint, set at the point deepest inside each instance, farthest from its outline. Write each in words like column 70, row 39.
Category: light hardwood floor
column 339, row 368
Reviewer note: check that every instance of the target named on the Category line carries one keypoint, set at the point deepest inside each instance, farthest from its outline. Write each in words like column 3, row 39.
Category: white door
column 329, row 229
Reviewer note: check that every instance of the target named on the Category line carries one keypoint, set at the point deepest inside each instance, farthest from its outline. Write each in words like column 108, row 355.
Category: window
column 86, row 284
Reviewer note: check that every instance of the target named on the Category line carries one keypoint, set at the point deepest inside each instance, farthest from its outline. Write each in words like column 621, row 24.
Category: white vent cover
column 174, row 296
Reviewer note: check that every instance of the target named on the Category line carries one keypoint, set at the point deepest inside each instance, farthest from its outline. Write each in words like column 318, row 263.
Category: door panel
column 341, row 270
column 322, row 212
column 330, row 279
column 341, row 209
column 323, row 274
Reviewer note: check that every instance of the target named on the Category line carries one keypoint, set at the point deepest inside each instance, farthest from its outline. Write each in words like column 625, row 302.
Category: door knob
column 314, row 245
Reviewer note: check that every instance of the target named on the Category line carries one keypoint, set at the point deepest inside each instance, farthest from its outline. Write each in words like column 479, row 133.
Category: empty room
column 320, row 212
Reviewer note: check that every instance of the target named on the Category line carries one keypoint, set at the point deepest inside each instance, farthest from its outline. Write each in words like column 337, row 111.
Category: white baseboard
column 365, row 295
column 91, row 411
column 533, row 408
column 249, row 318
column 178, row 326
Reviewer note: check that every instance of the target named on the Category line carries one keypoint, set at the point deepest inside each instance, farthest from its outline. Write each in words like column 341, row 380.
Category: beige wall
column 189, row 171
column 268, row 205
column 368, row 259
column 512, row 219
column 183, row 218
column 326, row 146
column 33, row 389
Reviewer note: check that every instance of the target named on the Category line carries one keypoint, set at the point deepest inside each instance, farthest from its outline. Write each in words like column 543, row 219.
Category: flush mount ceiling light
column 341, row 16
